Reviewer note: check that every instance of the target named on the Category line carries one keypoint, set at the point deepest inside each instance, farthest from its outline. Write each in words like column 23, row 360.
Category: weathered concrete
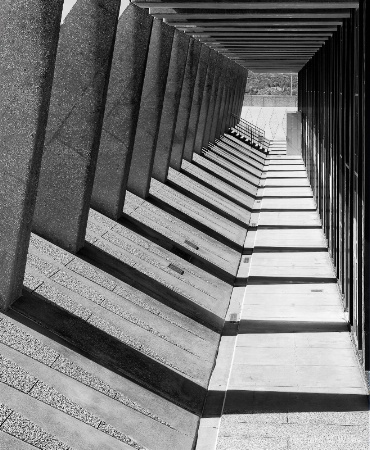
column 294, row 133
column 28, row 42
column 186, row 100
column 197, row 103
column 122, row 111
column 212, row 103
column 75, row 119
column 223, row 99
column 219, row 102
column 171, row 104
column 154, row 88
column 228, row 100
column 203, row 115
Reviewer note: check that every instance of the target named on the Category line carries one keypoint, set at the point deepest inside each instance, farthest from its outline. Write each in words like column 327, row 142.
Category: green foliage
column 271, row 84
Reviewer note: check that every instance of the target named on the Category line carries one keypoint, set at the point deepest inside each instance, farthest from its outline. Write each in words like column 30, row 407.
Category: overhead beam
column 237, row 14
column 209, row 30
column 245, row 4
column 255, row 23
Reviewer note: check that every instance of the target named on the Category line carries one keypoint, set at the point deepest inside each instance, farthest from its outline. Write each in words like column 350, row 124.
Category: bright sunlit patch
column 68, row 4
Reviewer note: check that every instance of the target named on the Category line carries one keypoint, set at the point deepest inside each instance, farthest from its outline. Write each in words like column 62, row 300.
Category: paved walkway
column 286, row 376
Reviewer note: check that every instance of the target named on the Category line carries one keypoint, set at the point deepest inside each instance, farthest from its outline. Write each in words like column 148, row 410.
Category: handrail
column 252, row 133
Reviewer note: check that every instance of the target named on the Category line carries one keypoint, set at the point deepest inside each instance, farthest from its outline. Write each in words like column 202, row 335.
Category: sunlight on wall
column 68, row 4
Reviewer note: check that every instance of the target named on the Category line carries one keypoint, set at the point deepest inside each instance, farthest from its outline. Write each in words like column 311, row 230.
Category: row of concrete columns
column 94, row 107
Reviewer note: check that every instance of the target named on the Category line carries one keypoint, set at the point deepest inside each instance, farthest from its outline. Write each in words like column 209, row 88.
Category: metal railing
column 254, row 135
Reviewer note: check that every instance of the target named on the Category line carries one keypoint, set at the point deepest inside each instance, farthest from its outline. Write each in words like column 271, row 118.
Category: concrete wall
column 269, row 118
column 271, row 100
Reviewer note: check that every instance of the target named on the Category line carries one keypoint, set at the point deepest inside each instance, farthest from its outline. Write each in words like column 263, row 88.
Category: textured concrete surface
column 171, row 104
column 171, row 232
column 219, row 102
column 220, row 62
column 199, row 88
column 203, row 115
column 154, row 88
column 28, row 44
column 74, row 124
column 232, row 193
column 121, row 111
column 207, row 196
column 187, row 92
column 202, row 216
column 223, row 174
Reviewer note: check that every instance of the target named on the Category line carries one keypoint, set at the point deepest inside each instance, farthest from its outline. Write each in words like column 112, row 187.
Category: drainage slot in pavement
column 176, row 269
column 191, row 244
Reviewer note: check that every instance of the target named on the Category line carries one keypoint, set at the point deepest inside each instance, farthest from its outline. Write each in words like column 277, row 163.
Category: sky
column 69, row 3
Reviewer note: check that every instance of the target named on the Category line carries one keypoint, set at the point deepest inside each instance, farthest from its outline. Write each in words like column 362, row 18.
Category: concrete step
column 225, row 175
column 223, row 188
column 291, row 266
column 232, row 168
column 197, row 215
column 66, row 397
column 117, row 326
column 286, row 182
column 289, row 219
column 258, row 151
column 129, row 255
column 250, row 173
column 281, row 192
column 287, row 204
column 240, row 153
column 175, row 234
column 211, row 198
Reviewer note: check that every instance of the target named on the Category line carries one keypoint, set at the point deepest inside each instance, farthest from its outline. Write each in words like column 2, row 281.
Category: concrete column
column 170, row 106
column 230, row 121
column 203, row 115
column 154, row 88
column 230, row 94
column 218, row 101
column 294, row 133
column 121, row 111
column 242, row 92
column 212, row 103
column 197, row 103
column 186, row 101
column 75, row 119
column 238, row 95
column 29, row 32
column 223, row 100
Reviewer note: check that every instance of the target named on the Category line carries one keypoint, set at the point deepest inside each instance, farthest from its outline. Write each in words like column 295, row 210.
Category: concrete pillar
column 223, row 100
column 75, row 119
column 232, row 89
column 197, row 103
column 232, row 82
column 294, row 133
column 242, row 92
column 203, row 115
column 170, row 106
column 186, row 101
column 29, row 31
column 214, row 94
column 218, row 101
column 239, row 95
column 121, row 111
column 154, row 88
column 230, row 120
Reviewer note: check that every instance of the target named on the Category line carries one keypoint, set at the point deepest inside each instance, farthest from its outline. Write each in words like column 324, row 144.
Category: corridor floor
column 286, row 376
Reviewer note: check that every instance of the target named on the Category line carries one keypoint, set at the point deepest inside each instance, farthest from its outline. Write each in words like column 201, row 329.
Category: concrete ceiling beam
column 245, row 4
